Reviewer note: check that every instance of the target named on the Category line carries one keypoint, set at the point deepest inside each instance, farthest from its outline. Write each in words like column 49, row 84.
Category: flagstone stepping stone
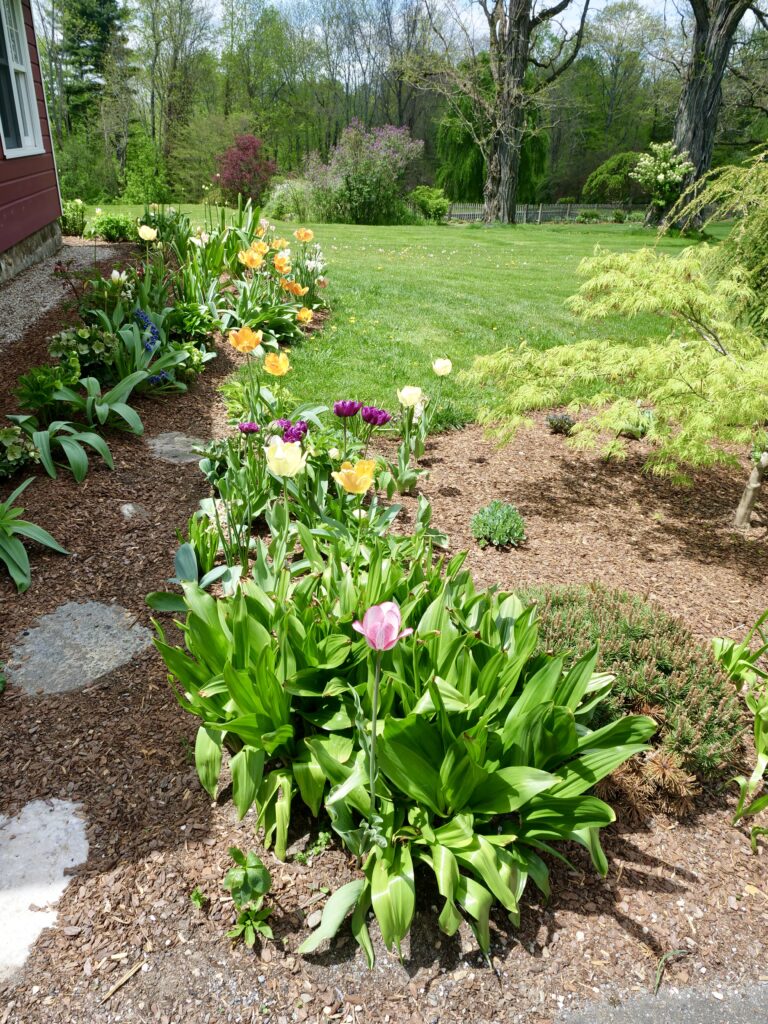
column 37, row 847
column 74, row 646
column 174, row 446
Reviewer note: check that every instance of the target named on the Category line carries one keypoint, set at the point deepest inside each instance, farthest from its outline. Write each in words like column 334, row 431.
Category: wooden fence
column 541, row 213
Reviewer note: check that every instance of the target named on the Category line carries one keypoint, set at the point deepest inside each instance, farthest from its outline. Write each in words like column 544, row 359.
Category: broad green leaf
column 508, row 789
column 247, row 768
column 393, row 894
column 334, row 912
column 208, row 758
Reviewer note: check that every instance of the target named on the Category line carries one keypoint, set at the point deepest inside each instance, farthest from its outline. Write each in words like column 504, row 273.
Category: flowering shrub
column 431, row 203
column 661, row 173
column 244, row 170
column 367, row 175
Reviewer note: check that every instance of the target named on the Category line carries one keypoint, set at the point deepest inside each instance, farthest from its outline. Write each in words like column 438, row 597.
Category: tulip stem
column 372, row 767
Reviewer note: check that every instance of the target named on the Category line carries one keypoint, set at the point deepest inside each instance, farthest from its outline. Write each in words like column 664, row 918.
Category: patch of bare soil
column 588, row 519
column 129, row 946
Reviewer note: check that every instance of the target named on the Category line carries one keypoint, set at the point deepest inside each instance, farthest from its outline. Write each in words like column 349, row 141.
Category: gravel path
column 36, row 290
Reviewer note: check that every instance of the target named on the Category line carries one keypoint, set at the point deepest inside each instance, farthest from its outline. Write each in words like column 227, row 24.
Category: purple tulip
column 381, row 626
column 248, row 427
column 296, row 432
column 347, row 408
column 375, row 417
column 283, row 424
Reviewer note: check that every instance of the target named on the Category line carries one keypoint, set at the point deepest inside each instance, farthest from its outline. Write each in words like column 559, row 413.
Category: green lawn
column 195, row 211
column 402, row 296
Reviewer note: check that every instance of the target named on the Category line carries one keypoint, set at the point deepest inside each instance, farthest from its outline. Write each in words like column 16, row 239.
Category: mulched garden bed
column 122, row 749
column 588, row 519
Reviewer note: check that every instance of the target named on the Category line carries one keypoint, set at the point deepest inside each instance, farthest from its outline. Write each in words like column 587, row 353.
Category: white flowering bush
column 661, row 173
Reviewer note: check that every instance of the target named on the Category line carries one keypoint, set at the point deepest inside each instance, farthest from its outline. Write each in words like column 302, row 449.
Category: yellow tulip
column 280, row 243
column 250, row 258
column 304, row 315
column 277, row 364
column 260, row 247
column 147, row 234
column 245, row 340
column 285, row 458
column 356, row 479
column 282, row 264
column 303, row 234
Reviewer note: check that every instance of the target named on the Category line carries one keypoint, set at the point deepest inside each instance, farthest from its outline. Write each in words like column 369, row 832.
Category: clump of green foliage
column 113, row 227
column 589, row 217
column 16, row 450
column 13, row 554
column 660, row 670
column 432, row 203
column 498, row 524
column 611, row 182
column 561, row 423
column 740, row 192
column 248, row 883
column 72, row 218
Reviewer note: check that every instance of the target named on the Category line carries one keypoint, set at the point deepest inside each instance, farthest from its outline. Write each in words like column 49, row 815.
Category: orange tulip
column 260, row 247
column 282, row 264
column 277, row 364
column 280, row 243
column 303, row 234
column 245, row 340
column 250, row 258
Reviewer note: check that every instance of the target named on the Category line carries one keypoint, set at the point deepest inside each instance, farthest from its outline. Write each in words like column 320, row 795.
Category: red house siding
column 29, row 192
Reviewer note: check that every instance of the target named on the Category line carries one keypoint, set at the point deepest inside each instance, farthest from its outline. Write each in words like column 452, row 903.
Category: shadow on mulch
column 588, row 519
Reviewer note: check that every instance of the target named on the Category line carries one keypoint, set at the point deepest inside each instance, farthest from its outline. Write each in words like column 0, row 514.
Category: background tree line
column 511, row 99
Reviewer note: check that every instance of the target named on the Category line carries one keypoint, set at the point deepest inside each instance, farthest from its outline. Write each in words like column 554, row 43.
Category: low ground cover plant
column 659, row 670
column 498, row 524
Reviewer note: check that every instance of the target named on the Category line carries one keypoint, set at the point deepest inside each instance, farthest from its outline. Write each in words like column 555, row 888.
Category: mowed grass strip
column 403, row 296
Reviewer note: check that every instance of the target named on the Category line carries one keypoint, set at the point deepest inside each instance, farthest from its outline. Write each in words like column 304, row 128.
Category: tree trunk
column 751, row 491
column 716, row 22
column 500, row 191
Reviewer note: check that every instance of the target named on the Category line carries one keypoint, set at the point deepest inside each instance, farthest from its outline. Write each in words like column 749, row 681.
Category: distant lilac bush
column 366, row 176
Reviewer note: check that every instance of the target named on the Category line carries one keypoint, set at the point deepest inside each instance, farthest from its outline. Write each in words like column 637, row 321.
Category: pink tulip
column 381, row 626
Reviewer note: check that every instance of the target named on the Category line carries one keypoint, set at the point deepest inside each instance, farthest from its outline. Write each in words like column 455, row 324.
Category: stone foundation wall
column 37, row 246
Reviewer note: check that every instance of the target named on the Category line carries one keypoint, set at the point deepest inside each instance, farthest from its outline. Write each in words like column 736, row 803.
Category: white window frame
column 21, row 78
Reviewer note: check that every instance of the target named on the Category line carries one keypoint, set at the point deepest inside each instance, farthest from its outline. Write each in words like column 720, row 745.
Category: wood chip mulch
column 122, row 750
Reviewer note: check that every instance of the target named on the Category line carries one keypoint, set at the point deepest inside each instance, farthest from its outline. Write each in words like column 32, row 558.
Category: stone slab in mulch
column 680, row 1006
column 74, row 646
column 37, row 848
column 173, row 446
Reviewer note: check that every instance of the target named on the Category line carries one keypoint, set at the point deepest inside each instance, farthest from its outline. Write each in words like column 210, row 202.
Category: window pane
column 14, row 32
column 21, row 95
column 8, row 118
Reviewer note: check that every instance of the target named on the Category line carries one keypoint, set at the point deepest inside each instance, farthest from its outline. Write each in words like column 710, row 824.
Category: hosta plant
column 484, row 753
column 67, row 441
column 12, row 551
